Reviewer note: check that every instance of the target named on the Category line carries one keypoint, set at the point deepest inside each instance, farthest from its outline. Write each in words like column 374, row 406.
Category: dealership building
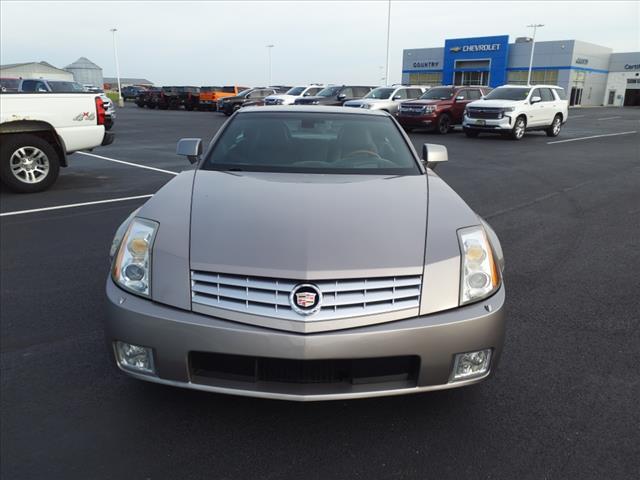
column 590, row 74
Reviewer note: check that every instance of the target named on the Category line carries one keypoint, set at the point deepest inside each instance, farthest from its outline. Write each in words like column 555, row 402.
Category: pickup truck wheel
column 28, row 164
column 444, row 124
column 556, row 125
column 517, row 132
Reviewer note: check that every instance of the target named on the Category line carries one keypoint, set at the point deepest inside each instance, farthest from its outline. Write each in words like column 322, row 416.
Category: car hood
column 424, row 102
column 312, row 99
column 495, row 103
column 365, row 101
column 301, row 226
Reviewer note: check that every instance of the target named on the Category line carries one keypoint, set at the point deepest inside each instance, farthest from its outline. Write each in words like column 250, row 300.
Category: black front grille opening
column 248, row 369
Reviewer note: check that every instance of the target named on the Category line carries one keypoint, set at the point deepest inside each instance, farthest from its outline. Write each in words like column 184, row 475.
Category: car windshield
column 508, row 93
column 438, row 94
column 244, row 93
column 381, row 93
column 295, row 91
column 305, row 142
column 66, row 87
column 329, row 91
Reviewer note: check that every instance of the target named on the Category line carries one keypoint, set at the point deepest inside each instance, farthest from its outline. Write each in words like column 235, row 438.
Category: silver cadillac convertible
column 310, row 255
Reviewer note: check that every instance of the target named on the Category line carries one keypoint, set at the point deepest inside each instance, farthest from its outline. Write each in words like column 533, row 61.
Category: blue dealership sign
column 488, row 54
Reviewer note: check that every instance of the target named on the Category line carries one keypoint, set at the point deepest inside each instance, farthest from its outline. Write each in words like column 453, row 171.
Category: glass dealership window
column 519, row 77
column 425, row 78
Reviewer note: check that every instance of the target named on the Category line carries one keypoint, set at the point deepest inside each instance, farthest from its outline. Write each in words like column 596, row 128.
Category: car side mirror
column 459, row 98
column 342, row 96
column 190, row 148
column 535, row 99
column 397, row 97
column 433, row 154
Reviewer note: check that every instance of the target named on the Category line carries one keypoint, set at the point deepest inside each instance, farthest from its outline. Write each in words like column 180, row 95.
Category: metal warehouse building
column 590, row 74
column 85, row 72
column 34, row 70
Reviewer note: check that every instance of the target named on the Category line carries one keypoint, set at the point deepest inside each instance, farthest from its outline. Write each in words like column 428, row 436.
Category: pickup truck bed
column 39, row 130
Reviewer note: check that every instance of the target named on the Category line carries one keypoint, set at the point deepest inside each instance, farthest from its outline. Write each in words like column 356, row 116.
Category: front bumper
column 503, row 124
column 417, row 121
column 108, row 138
column 433, row 340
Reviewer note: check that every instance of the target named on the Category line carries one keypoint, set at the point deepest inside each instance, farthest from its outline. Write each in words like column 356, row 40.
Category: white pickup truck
column 39, row 130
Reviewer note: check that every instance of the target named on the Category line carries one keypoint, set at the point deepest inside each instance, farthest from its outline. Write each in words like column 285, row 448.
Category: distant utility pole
column 386, row 77
column 535, row 27
column 115, row 55
column 269, row 47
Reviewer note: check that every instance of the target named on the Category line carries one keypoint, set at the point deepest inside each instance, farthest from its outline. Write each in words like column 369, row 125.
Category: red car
column 439, row 109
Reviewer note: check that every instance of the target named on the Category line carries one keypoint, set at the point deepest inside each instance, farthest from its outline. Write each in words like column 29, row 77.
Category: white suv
column 513, row 109
column 290, row 96
column 387, row 98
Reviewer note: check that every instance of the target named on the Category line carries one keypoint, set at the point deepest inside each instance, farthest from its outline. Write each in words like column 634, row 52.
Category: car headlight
column 279, row 101
column 508, row 109
column 430, row 109
column 365, row 105
column 479, row 272
column 315, row 102
column 131, row 267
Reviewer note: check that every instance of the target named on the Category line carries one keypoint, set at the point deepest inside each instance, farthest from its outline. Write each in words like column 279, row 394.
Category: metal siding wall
column 499, row 57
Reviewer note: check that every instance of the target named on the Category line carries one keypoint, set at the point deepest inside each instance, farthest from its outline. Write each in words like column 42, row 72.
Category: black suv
column 176, row 97
column 335, row 95
column 251, row 96
column 148, row 98
column 131, row 92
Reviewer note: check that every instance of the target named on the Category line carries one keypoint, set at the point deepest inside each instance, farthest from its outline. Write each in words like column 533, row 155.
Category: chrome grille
column 412, row 109
column 269, row 297
column 488, row 113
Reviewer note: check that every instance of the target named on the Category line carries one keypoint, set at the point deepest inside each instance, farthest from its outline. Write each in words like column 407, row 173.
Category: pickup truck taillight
column 100, row 112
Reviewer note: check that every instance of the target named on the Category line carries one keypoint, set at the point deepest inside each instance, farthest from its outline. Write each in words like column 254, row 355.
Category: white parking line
column 592, row 136
column 129, row 163
column 72, row 205
column 608, row 118
column 576, row 116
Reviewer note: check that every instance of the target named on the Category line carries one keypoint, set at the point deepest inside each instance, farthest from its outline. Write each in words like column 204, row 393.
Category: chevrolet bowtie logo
column 455, row 49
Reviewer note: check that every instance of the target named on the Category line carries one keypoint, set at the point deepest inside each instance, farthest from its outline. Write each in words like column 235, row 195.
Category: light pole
column 386, row 77
column 115, row 55
column 269, row 47
column 535, row 27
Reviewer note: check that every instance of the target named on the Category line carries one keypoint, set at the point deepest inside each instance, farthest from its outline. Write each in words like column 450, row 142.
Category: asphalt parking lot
column 563, row 402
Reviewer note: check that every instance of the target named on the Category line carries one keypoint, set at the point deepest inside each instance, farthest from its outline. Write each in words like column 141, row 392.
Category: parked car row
column 191, row 98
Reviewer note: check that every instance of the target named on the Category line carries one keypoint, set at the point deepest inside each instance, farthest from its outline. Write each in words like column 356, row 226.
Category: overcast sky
column 209, row 43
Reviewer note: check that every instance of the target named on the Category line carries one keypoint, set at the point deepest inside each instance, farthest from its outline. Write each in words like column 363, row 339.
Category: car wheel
column 444, row 124
column 556, row 125
column 471, row 133
column 28, row 164
column 519, row 127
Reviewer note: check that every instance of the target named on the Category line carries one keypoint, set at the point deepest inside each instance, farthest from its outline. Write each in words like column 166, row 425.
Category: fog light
column 471, row 364
column 135, row 357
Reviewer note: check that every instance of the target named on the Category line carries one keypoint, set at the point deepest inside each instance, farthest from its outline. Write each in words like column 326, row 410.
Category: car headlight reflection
column 479, row 275
column 132, row 265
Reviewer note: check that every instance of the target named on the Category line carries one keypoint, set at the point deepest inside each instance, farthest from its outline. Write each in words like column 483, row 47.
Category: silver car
column 387, row 98
column 310, row 255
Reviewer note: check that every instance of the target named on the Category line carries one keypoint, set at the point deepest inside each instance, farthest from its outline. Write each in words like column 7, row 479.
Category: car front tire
column 28, row 163
column 444, row 124
column 519, row 127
